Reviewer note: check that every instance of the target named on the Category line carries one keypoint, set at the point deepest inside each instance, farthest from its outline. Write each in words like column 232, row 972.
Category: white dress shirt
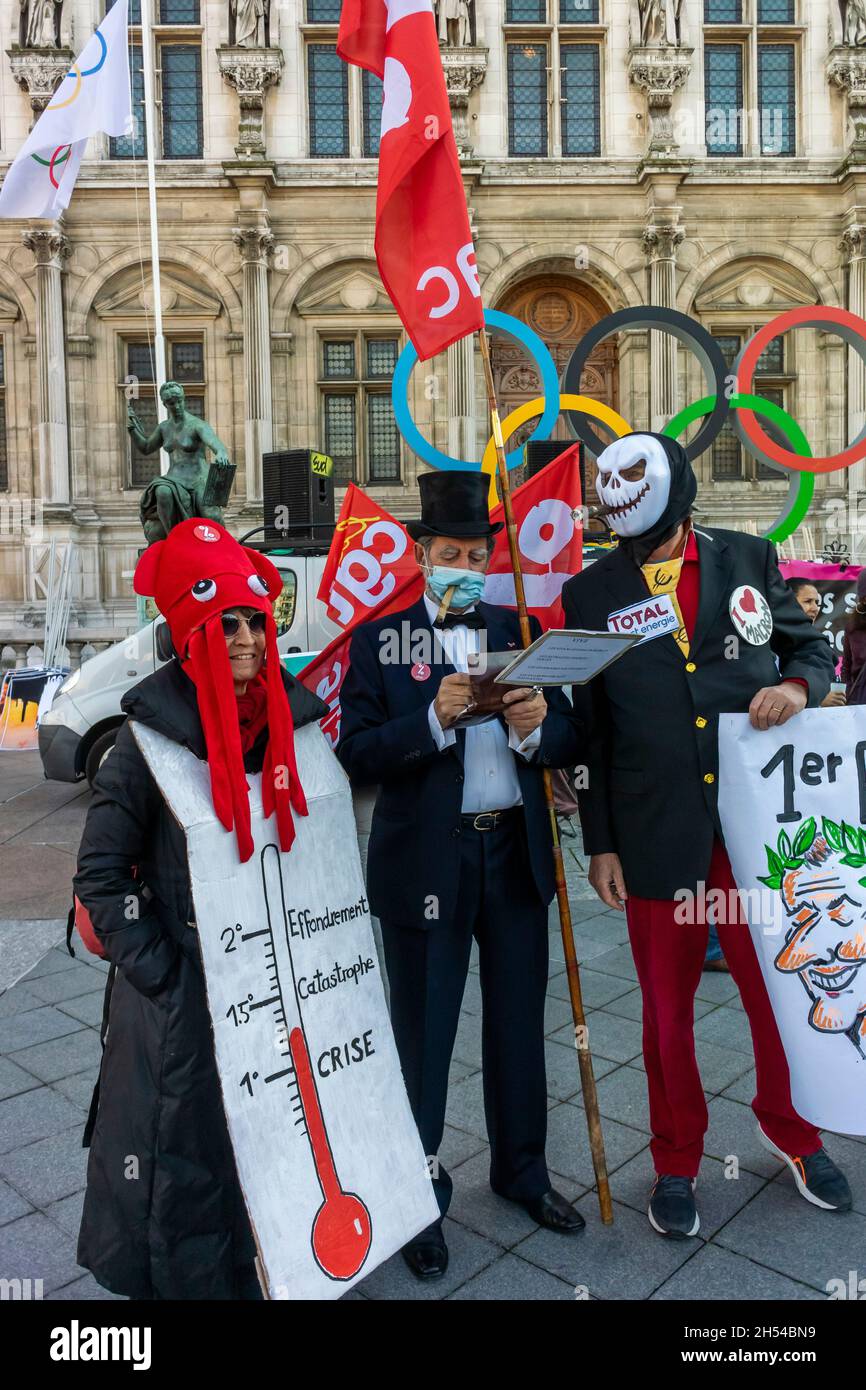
column 490, row 776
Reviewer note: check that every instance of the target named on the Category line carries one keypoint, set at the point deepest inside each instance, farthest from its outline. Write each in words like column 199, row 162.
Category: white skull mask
column 634, row 479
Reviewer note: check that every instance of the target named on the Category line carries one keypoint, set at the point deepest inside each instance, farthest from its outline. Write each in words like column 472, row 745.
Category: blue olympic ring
column 90, row 71
column 512, row 328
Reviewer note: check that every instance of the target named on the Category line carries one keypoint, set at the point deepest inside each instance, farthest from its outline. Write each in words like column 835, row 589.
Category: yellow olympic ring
column 69, row 100
column 525, row 412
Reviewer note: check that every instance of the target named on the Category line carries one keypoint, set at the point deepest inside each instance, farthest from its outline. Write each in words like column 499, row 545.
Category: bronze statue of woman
column 180, row 493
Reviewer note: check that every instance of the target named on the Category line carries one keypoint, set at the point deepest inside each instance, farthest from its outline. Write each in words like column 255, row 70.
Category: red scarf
column 252, row 712
column 207, row 665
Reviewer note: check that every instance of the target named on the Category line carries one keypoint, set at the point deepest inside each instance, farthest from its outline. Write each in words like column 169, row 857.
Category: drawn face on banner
column 634, row 480
column 825, row 944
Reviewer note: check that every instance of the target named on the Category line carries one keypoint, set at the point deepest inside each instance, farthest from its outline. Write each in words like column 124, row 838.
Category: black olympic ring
column 680, row 326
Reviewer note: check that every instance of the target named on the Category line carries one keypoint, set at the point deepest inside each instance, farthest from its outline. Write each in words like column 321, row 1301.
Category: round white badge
column 750, row 614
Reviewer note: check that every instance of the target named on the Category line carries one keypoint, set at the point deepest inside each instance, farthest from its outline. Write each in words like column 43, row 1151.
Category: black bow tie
column 475, row 619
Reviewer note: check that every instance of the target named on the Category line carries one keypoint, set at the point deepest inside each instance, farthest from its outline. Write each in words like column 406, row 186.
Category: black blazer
column 413, row 853
column 647, row 796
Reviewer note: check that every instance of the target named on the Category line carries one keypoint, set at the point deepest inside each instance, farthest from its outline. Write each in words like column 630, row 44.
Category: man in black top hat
column 460, row 847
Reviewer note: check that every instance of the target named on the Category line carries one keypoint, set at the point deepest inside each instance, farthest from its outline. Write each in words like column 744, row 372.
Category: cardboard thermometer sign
column 329, row 1160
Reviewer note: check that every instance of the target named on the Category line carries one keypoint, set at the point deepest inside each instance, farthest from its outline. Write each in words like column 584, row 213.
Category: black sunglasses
column 232, row 621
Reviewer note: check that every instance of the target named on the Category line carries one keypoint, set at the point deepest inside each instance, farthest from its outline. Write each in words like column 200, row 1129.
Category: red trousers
column 669, row 956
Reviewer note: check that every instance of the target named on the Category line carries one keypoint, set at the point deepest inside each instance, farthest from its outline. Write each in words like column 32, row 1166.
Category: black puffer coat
column 163, row 1213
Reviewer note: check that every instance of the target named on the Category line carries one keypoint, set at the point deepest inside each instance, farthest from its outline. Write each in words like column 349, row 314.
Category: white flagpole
column 150, row 131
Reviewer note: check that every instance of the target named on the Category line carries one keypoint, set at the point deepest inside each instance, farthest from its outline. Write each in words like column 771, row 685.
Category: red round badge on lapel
column 420, row 671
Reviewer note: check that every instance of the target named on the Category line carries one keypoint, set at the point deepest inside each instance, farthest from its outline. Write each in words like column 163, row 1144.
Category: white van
column 80, row 728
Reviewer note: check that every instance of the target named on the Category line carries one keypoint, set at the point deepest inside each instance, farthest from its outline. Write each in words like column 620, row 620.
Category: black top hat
column 453, row 503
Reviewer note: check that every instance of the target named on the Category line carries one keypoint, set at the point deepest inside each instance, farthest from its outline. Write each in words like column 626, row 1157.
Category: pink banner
column 836, row 588
column 814, row 570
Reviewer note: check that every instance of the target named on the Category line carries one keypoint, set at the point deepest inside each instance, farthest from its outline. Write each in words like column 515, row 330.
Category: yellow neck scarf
column 662, row 577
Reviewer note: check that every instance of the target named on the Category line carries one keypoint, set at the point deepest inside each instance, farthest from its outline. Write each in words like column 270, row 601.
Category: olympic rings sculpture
column 512, row 328
column 615, row 423
column 729, row 390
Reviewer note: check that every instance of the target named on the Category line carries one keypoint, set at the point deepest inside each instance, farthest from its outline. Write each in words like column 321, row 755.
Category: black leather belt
column 491, row 820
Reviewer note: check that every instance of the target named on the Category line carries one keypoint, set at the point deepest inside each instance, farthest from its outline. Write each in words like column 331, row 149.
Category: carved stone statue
column 40, row 23
column 180, row 493
column 854, row 23
column 661, row 23
column 249, row 17
column 455, row 23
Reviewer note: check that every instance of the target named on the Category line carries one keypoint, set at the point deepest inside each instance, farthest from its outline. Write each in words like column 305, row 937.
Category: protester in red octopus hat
column 164, row 1216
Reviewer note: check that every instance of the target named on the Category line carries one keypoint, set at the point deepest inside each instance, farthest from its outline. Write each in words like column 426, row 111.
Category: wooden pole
column 584, row 1056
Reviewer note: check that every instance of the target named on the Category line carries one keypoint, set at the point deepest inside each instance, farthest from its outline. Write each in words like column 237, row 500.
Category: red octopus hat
column 195, row 575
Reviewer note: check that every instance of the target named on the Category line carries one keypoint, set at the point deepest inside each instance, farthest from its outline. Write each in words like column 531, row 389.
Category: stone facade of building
column 277, row 322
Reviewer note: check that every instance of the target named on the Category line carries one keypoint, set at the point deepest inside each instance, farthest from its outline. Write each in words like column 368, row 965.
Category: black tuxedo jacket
column 652, row 724
column 414, row 850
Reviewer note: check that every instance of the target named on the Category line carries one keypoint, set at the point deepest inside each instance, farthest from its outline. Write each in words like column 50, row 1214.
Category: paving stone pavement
column 758, row 1239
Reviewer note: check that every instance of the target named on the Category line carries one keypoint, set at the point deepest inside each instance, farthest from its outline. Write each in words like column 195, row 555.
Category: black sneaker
column 672, row 1210
column 817, row 1177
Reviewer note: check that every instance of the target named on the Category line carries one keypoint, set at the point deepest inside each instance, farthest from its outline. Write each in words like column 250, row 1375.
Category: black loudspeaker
column 538, row 453
column 298, row 491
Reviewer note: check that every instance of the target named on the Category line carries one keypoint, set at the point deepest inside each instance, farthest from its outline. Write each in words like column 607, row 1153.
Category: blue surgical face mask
column 468, row 584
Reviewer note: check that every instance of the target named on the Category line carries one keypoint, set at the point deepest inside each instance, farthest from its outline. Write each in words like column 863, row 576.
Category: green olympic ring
column 801, row 486
column 49, row 162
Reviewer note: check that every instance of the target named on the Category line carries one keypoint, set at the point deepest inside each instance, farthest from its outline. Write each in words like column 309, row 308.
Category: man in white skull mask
column 721, row 632
column 634, row 484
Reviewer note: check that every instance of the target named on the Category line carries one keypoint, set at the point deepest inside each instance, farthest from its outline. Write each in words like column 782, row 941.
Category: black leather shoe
column 427, row 1254
column 553, row 1211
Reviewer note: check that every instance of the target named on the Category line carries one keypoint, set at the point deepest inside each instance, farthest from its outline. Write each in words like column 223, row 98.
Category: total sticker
column 750, row 614
column 652, row 617
column 206, row 533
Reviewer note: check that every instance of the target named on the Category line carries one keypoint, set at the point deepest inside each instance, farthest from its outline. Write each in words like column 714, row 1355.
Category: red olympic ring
column 848, row 326
column 67, row 148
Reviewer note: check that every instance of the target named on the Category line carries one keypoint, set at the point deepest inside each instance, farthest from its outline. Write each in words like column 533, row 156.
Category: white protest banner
column 792, row 803
column 328, row 1156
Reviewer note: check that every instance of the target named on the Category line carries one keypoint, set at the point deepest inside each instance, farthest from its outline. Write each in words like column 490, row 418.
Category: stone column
column 256, row 245
column 460, row 398
column 854, row 245
column 660, row 242
column 50, row 248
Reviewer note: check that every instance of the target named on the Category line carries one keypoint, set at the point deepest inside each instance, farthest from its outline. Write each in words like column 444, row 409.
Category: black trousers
column 498, row 904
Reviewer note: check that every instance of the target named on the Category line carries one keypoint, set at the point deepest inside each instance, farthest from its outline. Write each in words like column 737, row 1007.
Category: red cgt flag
column 324, row 677
column 370, row 557
column 550, row 536
column 423, row 243
column 326, row 673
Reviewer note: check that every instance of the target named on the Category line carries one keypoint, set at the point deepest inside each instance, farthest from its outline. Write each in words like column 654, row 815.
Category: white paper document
column 565, row 656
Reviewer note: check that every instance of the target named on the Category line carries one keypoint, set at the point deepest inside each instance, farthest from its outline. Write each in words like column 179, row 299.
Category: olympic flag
column 94, row 96
column 423, row 243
